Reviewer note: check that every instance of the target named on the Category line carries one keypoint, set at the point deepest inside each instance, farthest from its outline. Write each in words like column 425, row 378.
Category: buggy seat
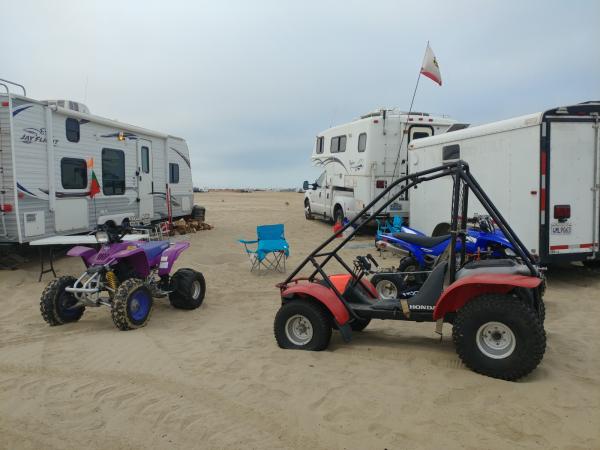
column 422, row 241
column 503, row 266
column 153, row 249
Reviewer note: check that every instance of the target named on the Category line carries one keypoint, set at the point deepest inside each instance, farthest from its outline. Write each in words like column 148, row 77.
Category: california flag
column 430, row 67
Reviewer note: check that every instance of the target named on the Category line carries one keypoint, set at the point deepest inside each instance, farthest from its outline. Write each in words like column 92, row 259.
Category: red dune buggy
column 495, row 306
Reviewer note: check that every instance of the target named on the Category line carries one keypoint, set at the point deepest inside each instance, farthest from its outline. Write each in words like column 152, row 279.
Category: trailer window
column 145, row 159
column 73, row 173
column 450, row 152
column 320, row 140
column 338, row 144
column 362, row 142
column 72, row 129
column 113, row 171
column 173, row 173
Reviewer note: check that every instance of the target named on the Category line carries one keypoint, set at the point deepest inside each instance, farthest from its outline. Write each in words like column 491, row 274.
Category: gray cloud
column 249, row 84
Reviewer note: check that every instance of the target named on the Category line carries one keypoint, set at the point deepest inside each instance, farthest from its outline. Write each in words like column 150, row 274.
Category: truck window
column 73, row 173
column 450, row 152
column 113, row 172
column 319, row 147
column 72, row 129
column 338, row 144
column 362, row 142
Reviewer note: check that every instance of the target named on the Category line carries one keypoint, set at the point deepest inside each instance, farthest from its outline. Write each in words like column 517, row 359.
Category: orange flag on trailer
column 95, row 186
column 430, row 67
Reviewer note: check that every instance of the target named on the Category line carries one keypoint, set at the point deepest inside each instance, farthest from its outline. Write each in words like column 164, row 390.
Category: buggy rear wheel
column 188, row 289
column 499, row 336
column 59, row 306
column 302, row 325
column 131, row 305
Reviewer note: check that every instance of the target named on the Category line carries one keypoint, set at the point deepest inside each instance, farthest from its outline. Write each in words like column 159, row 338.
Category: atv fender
column 460, row 292
column 136, row 257
column 169, row 257
column 86, row 253
column 322, row 294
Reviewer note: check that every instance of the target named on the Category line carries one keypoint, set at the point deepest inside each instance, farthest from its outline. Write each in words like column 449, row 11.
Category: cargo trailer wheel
column 188, row 289
column 499, row 336
column 132, row 305
column 302, row 325
column 59, row 306
column 307, row 211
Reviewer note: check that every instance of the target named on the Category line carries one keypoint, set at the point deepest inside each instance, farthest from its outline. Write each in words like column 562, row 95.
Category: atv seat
column 422, row 241
column 153, row 249
column 503, row 266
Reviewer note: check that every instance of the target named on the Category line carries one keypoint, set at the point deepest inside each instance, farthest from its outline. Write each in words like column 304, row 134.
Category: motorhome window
column 450, row 152
column 173, row 173
column 338, row 144
column 320, row 141
column 420, row 134
column 73, row 173
column 113, row 171
column 145, row 159
column 362, row 142
column 72, row 129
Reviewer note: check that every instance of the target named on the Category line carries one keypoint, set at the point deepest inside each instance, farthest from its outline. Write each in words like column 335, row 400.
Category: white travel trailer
column 360, row 158
column 541, row 170
column 48, row 150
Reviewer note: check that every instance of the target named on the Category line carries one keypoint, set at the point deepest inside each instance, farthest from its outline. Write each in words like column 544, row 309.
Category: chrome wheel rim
column 496, row 340
column 298, row 330
column 196, row 289
column 386, row 290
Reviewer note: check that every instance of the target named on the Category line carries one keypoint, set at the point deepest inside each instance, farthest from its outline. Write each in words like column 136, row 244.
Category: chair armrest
column 247, row 242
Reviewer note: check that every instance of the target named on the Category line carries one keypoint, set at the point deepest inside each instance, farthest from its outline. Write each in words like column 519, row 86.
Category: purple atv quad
column 125, row 276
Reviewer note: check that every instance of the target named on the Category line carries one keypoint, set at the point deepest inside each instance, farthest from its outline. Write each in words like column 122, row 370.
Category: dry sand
column 214, row 377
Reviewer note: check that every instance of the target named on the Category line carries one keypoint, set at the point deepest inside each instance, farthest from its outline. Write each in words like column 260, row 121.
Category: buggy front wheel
column 302, row 325
column 499, row 336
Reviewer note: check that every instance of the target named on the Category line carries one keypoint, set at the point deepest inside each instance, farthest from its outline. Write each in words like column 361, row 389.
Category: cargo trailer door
column 145, row 181
column 573, row 189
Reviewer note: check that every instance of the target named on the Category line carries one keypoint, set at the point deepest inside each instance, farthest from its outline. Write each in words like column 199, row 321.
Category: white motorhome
column 541, row 170
column 360, row 158
column 48, row 150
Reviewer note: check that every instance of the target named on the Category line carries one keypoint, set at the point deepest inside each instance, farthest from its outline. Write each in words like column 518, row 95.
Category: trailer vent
column 450, row 152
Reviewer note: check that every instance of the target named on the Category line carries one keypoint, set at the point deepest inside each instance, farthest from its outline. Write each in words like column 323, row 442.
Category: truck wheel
column 188, row 289
column 302, row 325
column 307, row 211
column 499, row 336
column 410, row 264
column 388, row 286
column 59, row 306
column 338, row 214
column 131, row 305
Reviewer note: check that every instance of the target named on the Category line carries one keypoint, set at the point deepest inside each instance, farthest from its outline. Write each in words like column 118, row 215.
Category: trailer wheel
column 302, row 325
column 499, row 336
column 59, row 306
column 188, row 289
column 307, row 211
column 132, row 305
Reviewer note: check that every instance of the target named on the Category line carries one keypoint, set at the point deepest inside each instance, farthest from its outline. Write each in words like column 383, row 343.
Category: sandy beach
column 214, row 378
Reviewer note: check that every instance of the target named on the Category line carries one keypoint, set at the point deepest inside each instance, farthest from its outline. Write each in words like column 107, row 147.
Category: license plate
column 395, row 207
column 561, row 228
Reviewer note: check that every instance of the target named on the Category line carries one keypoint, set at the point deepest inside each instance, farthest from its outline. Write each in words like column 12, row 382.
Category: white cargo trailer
column 361, row 157
column 47, row 149
column 541, row 170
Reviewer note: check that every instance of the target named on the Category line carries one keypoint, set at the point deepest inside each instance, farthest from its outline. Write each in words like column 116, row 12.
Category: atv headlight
column 509, row 252
column 102, row 237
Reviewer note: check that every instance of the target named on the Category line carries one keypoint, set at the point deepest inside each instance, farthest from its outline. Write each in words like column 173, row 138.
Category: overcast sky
column 249, row 84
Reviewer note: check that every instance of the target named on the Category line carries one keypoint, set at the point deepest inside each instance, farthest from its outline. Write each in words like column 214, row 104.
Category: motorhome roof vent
column 69, row 104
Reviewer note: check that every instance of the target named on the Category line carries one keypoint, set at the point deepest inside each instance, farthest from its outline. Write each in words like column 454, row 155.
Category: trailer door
column 144, row 176
column 573, row 188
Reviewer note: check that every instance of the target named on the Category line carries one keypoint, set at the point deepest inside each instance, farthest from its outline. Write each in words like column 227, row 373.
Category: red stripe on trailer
column 543, row 163
column 586, row 245
column 559, row 247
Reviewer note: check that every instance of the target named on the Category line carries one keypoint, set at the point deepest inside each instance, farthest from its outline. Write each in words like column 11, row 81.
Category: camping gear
column 496, row 309
column 270, row 248
column 124, row 275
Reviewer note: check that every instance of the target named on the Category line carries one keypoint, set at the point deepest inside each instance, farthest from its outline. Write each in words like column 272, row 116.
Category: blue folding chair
column 270, row 250
column 395, row 226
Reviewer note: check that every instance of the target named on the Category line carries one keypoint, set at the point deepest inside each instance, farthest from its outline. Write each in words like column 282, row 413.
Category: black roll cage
column 463, row 182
